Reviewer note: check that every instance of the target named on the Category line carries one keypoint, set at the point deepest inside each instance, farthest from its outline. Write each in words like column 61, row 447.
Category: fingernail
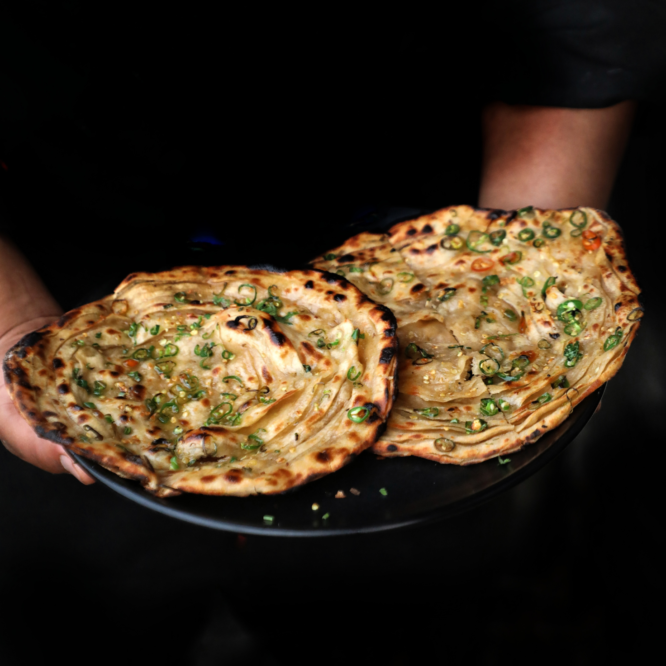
column 72, row 468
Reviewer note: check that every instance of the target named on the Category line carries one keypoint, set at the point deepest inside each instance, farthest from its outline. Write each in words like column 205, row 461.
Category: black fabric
column 153, row 128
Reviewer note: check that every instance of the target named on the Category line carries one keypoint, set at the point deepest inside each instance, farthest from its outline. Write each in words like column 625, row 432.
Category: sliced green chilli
column 165, row 368
column 235, row 378
column 490, row 280
column 547, row 285
column 539, row 242
column 613, row 340
column 352, row 375
column 496, row 237
column 227, row 355
column 155, row 329
column 504, row 405
column 493, row 351
column 561, row 382
column 525, row 235
column 512, row 258
column 636, row 314
column 444, row 445
column 452, row 229
column 385, row 286
column 180, row 297
column 216, row 414
column 489, row 367
column 452, row 243
column 449, row 292
column 404, row 276
column 578, row 219
column 573, row 328
column 358, row 414
column 169, row 350
column 521, row 212
column 330, row 257
column 476, row 239
column 569, row 306
column 551, row 232
column 544, row 344
column 525, row 282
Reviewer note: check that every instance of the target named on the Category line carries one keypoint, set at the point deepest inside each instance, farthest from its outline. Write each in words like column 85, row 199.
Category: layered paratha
column 223, row 381
column 506, row 321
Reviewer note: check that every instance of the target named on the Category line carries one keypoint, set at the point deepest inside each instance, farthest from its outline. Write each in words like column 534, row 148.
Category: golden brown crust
column 62, row 378
column 453, row 314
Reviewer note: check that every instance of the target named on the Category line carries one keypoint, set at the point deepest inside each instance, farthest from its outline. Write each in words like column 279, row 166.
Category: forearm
column 551, row 157
column 24, row 300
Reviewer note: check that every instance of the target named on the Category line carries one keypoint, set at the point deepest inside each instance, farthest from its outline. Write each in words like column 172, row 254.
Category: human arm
column 551, row 157
column 26, row 305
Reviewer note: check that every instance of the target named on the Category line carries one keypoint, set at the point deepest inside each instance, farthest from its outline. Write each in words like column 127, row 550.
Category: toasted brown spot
column 391, row 448
column 417, row 288
column 411, row 232
column 339, row 298
column 345, row 258
column 309, row 284
column 322, row 457
column 57, row 364
column 387, row 355
column 137, row 392
column 472, row 290
column 266, row 375
column 427, row 229
column 208, row 478
column 277, row 337
column 63, row 388
column 233, row 476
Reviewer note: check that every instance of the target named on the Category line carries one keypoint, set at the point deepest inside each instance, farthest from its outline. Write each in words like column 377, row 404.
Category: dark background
column 135, row 172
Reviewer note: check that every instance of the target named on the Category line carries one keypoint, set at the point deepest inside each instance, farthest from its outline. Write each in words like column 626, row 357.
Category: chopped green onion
column 108, row 418
column 248, row 300
column 330, row 257
column 510, row 315
column 413, row 351
column 181, row 297
column 489, row 367
column 489, row 281
column 356, row 335
column 155, row 329
column 503, row 461
column 355, row 269
column 593, row 303
column 307, row 368
column 99, row 388
column 525, row 235
column 350, row 374
column 429, row 413
column 358, row 414
column 134, row 375
column 127, row 431
column 89, row 405
column 489, row 407
column 266, row 401
column 216, row 416
column 218, row 299
column 326, row 516
column 452, row 229
column 286, row 319
column 383, row 491
column 572, row 354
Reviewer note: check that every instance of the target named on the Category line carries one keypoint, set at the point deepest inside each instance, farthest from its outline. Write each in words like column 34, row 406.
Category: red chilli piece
column 482, row 264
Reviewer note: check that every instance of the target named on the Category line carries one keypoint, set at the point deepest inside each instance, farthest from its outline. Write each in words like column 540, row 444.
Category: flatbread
column 221, row 381
column 506, row 321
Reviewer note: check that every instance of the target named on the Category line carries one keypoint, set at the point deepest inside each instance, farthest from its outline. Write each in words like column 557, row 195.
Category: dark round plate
column 417, row 491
